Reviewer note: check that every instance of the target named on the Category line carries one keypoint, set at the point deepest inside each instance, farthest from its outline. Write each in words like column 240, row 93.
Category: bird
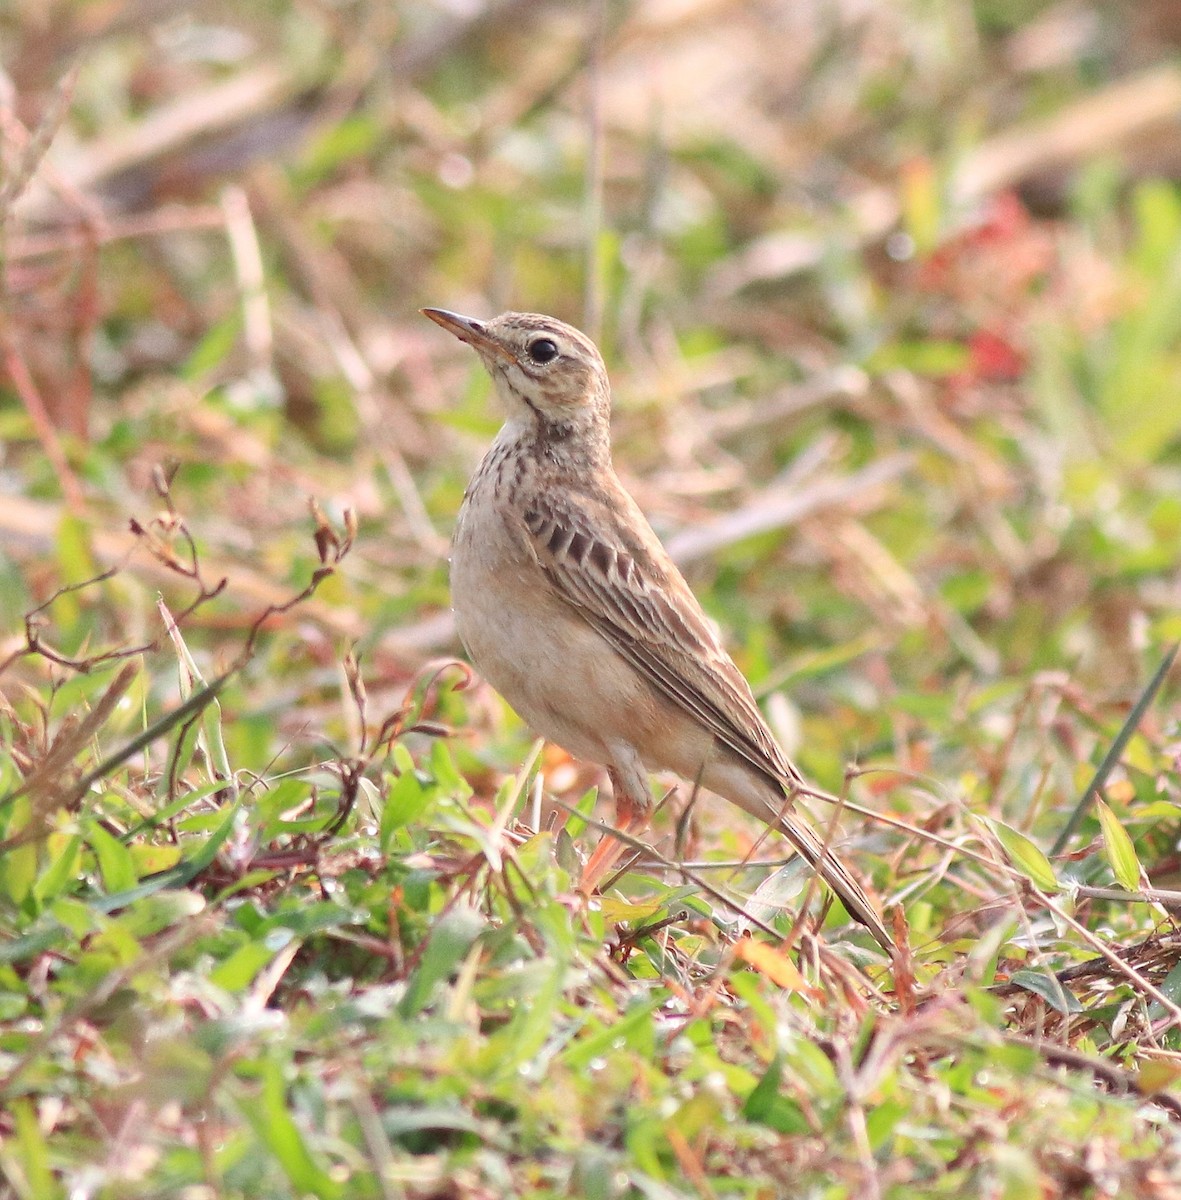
column 568, row 604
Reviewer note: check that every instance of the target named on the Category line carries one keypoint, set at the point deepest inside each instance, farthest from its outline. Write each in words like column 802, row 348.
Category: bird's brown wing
column 600, row 555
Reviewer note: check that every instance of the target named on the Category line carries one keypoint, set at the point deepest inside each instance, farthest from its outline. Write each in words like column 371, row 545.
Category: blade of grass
column 1121, row 852
column 1116, row 752
column 1024, row 855
column 269, row 1114
column 210, row 730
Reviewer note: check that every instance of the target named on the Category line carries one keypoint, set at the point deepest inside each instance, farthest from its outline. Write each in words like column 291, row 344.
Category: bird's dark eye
column 543, row 350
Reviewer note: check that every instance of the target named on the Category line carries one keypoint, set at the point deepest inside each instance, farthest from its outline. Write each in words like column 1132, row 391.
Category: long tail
column 834, row 872
column 821, row 859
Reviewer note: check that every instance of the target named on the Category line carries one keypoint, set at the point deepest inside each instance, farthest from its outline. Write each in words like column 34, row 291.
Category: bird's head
column 546, row 373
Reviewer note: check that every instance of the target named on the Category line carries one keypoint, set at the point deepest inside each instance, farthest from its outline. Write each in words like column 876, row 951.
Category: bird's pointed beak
column 469, row 330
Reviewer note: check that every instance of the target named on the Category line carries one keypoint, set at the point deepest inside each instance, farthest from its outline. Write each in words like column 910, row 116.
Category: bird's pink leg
column 630, row 817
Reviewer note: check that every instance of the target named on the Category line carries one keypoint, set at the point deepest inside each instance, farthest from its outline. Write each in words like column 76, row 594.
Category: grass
column 287, row 897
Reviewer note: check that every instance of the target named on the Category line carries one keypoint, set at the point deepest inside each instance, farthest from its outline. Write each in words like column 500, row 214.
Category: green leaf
column 32, row 1152
column 182, row 873
column 183, row 801
column 1121, row 853
column 29, row 945
column 160, row 911
column 114, row 860
column 1050, row 988
column 532, row 1024
column 1024, row 855
column 580, row 1054
column 148, row 859
column 449, row 942
column 1171, row 985
column 272, row 1122
column 19, row 864
column 445, row 773
column 405, row 803
column 766, row 1106
column 414, row 1119
column 238, row 971
column 62, row 873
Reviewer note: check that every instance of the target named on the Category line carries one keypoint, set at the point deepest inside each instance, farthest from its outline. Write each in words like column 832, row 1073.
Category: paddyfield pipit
column 570, row 607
